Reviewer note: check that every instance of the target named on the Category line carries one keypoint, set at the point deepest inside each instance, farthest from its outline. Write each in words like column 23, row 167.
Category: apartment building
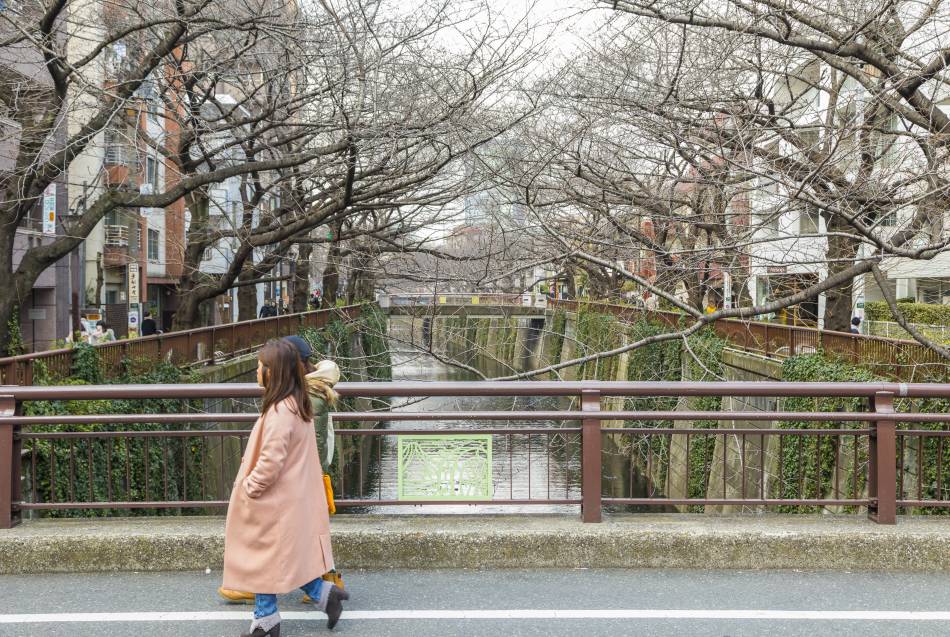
column 51, row 311
column 789, row 245
column 133, row 258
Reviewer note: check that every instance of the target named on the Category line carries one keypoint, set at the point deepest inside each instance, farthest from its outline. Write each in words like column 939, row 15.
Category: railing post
column 9, row 465
column 591, row 459
column 882, row 462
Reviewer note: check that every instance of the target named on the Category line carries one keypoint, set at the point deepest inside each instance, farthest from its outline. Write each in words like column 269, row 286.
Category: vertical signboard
column 49, row 209
column 134, row 296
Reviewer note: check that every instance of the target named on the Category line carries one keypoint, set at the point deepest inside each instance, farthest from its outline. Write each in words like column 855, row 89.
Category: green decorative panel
column 445, row 467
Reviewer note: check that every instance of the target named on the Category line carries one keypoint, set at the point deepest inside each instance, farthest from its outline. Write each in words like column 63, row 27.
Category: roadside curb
column 488, row 541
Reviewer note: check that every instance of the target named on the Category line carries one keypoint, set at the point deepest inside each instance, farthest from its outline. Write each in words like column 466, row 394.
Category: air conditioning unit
column 146, row 189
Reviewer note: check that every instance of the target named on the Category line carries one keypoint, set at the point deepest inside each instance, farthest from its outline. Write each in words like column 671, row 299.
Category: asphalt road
column 495, row 603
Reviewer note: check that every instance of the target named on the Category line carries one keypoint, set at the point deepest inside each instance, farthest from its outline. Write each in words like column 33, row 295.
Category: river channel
column 524, row 466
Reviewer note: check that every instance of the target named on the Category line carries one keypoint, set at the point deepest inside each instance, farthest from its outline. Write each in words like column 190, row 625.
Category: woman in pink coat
column 277, row 535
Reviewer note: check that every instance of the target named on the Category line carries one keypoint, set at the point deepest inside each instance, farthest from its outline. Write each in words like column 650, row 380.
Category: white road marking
column 362, row 615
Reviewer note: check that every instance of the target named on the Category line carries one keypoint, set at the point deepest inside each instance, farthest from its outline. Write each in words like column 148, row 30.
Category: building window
column 889, row 219
column 112, row 297
column 808, row 221
column 207, row 256
column 151, row 172
column 153, row 238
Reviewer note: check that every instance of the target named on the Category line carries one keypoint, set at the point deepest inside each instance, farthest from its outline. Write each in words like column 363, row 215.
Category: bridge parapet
column 84, row 464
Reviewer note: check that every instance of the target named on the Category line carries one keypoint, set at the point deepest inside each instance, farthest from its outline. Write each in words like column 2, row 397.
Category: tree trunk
column 302, row 278
column 842, row 252
column 247, row 294
column 331, row 274
column 187, row 316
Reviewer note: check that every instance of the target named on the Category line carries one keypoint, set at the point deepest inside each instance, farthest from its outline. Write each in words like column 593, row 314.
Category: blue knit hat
column 303, row 347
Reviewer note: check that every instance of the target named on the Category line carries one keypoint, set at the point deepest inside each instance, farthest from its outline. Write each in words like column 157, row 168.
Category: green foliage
column 597, row 332
column 558, row 325
column 373, row 325
column 922, row 313
column 15, row 344
column 807, row 471
column 87, row 365
column 123, row 468
column 334, row 342
column 662, row 361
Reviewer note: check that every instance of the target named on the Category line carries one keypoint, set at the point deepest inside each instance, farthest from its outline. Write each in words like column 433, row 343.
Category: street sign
column 49, row 209
column 134, row 292
column 134, row 322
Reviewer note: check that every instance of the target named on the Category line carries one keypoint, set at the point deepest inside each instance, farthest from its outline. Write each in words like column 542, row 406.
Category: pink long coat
column 277, row 535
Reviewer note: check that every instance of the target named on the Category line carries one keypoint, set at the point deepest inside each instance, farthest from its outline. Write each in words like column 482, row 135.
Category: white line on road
column 820, row 615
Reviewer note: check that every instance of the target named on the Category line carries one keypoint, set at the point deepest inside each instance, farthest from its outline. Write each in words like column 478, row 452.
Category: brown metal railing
column 186, row 461
column 203, row 345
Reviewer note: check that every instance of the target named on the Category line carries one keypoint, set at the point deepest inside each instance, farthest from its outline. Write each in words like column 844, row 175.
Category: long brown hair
column 284, row 377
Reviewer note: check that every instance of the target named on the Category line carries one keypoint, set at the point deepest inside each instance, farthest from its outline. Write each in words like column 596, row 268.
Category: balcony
column 121, row 241
column 117, row 236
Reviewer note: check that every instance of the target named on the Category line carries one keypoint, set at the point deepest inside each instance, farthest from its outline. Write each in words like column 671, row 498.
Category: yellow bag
column 328, row 487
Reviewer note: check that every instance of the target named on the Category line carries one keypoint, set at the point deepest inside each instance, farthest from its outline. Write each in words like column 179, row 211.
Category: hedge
column 922, row 313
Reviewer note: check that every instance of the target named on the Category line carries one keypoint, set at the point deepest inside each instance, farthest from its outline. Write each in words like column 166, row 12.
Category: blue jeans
column 266, row 604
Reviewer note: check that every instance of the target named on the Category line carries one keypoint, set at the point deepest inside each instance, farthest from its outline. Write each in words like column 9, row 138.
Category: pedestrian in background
column 148, row 325
column 277, row 534
column 856, row 325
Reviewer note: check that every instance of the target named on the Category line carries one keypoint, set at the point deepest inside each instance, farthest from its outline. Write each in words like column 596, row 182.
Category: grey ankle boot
column 268, row 626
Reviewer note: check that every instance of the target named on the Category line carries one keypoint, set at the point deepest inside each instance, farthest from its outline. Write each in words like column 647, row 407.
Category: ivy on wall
column 662, row 361
column 372, row 330
column 114, row 469
column 925, row 460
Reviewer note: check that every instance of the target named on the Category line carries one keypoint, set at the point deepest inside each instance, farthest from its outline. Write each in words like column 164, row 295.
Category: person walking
column 268, row 310
column 277, row 533
column 320, row 380
column 149, row 328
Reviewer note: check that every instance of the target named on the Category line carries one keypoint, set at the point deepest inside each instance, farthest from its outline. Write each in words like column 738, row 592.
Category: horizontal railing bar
column 921, row 432
column 833, row 416
column 211, row 433
column 492, row 388
column 188, row 433
column 456, row 431
column 53, row 506
column 363, row 503
column 126, row 419
column 923, row 503
column 648, row 431
column 733, row 501
column 141, row 341
column 396, row 416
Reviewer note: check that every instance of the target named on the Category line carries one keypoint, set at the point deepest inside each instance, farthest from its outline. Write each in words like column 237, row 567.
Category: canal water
column 524, row 466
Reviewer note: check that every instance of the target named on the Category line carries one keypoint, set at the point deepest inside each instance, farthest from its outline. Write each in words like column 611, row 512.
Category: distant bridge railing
column 896, row 358
column 200, row 346
column 884, row 459
column 900, row 359
column 462, row 298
